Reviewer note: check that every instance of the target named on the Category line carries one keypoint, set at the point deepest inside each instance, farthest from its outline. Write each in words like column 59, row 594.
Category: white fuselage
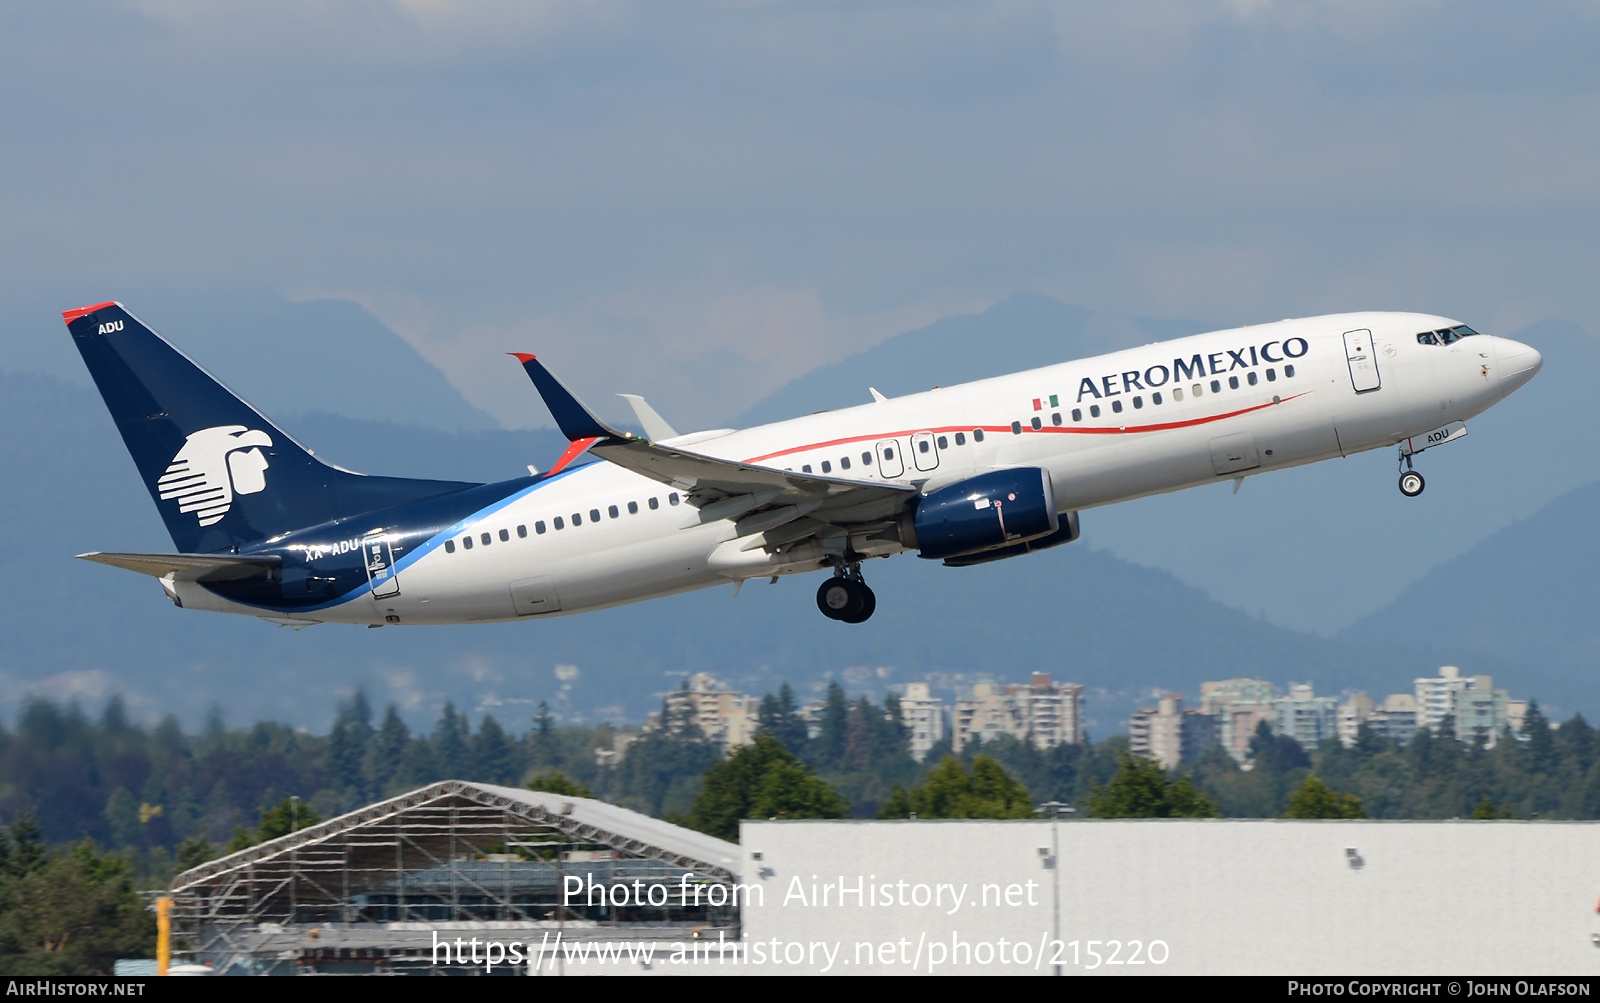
column 1147, row 420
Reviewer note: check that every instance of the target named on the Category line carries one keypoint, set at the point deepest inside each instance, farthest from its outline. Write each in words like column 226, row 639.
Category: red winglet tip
column 522, row 357
column 71, row 315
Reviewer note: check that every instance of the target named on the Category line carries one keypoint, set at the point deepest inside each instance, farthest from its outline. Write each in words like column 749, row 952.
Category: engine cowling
column 1002, row 508
column 1066, row 534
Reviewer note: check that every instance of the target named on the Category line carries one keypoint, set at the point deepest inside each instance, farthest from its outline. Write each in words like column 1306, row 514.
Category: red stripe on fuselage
column 1059, row 429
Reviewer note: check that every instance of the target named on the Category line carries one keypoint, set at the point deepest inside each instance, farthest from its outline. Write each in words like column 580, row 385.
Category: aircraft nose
column 1518, row 363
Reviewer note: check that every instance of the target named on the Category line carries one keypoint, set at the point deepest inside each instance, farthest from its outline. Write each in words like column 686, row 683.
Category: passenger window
column 1037, row 424
column 1138, row 402
column 538, row 527
column 1016, row 428
column 844, row 463
column 961, row 438
column 888, row 454
column 1155, row 398
column 560, row 524
column 1251, row 376
column 866, row 459
column 1094, row 410
column 1177, row 394
column 1288, row 372
column 486, row 538
column 594, row 515
column 977, row 435
column 1272, row 376
column 944, row 443
column 806, row 469
column 1216, row 386
column 1233, row 383
column 672, row 499
column 827, row 467
column 522, row 532
column 577, row 519
column 466, row 543
column 449, row 546
column 1116, row 406
column 612, row 512
column 1055, row 418
column 505, row 535
column 1195, row 390
column 633, row 508
column 1077, row 414
column 654, row 504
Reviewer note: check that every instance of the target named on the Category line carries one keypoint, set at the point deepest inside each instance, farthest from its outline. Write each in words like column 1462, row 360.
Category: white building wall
column 1222, row 896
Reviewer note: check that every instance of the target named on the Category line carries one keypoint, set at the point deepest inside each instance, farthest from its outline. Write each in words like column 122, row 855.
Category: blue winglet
column 575, row 420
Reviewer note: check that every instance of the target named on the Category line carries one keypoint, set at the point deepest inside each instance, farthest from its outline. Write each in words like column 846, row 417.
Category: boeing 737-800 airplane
column 965, row 474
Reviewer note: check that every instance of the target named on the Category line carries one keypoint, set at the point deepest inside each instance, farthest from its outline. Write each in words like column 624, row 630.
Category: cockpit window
column 1445, row 335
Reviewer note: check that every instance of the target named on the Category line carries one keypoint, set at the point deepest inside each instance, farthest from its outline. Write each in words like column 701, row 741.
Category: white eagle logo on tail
column 214, row 465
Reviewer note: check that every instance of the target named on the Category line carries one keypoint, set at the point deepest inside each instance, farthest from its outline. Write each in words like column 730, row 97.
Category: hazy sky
column 701, row 201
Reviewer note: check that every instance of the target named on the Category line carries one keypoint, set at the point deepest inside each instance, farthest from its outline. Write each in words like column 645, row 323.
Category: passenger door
column 1363, row 360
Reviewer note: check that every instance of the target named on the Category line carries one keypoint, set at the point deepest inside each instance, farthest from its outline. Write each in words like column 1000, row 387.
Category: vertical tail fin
column 221, row 474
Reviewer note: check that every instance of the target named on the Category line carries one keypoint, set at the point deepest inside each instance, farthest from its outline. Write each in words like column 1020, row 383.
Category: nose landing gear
column 1411, row 482
column 846, row 597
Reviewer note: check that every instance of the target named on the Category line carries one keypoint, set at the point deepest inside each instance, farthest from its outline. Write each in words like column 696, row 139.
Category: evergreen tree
column 951, row 792
column 1313, row 799
column 828, row 751
column 760, row 780
column 779, row 716
column 1142, row 789
column 493, row 755
column 450, row 745
column 347, row 745
column 556, row 783
column 387, row 751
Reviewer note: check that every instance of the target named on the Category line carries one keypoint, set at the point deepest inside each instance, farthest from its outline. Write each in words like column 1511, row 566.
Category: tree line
column 149, row 791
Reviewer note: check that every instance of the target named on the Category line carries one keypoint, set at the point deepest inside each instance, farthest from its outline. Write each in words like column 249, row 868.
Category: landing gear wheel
column 869, row 602
column 839, row 598
column 1411, row 484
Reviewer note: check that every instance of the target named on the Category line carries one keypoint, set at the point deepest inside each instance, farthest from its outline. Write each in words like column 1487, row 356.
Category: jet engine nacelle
column 1002, row 508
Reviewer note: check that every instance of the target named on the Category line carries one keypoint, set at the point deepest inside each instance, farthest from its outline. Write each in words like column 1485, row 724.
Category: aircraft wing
column 709, row 479
column 188, row 567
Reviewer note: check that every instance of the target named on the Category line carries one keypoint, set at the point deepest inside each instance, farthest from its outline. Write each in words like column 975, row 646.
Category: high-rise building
column 923, row 716
column 1352, row 714
column 1396, row 718
column 1306, row 717
column 987, row 714
column 722, row 715
column 1480, row 712
column 1157, row 732
column 1240, row 705
column 1052, row 713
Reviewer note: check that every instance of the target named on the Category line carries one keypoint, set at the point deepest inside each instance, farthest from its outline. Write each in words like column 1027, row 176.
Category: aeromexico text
column 1200, row 364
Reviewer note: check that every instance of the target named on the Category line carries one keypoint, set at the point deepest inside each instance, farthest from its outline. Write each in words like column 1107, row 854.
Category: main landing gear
column 1411, row 482
column 846, row 597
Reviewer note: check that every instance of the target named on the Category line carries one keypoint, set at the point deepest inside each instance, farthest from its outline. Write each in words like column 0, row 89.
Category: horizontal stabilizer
column 188, row 567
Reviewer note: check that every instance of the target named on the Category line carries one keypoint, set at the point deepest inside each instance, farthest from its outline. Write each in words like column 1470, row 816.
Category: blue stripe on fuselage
column 422, row 549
